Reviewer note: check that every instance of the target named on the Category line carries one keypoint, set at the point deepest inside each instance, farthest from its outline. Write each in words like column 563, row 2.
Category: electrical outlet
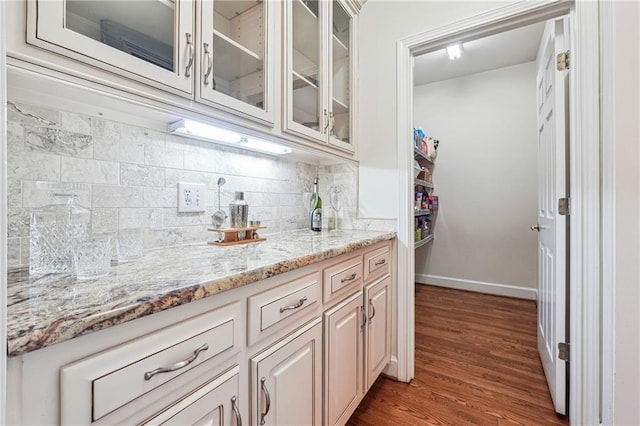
column 191, row 197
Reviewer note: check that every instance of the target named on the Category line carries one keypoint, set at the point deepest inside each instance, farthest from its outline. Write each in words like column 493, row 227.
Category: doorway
column 584, row 405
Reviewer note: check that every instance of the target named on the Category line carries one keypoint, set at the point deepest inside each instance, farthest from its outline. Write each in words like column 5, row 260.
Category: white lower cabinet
column 215, row 403
column 377, row 296
column 344, row 328
column 286, row 380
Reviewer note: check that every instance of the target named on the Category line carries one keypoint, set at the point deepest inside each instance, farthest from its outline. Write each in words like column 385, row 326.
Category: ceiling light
column 196, row 129
column 455, row 51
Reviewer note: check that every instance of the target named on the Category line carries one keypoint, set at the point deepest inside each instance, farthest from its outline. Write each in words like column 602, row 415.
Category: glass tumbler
column 129, row 244
column 92, row 257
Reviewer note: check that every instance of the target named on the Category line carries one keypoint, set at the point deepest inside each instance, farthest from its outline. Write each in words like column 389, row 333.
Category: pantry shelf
column 424, row 183
column 424, row 241
column 419, row 154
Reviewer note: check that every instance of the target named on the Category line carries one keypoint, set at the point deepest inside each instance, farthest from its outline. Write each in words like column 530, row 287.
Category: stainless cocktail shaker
column 239, row 212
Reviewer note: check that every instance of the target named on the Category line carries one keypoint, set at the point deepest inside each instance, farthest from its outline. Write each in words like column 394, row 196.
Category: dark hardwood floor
column 476, row 364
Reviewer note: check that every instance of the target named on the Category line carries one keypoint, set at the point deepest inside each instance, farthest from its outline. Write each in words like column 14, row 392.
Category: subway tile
column 154, row 218
column 33, row 166
column 13, row 252
column 15, row 136
column 76, row 123
column 197, row 234
column 14, row 193
column 173, row 176
column 173, row 219
column 138, row 135
column 164, row 157
column 105, row 129
column 56, row 141
column 153, row 197
column 89, row 171
column 155, row 238
column 17, row 223
column 25, row 244
column 116, row 196
column 131, row 218
column 113, row 149
column 32, row 115
column 137, row 175
column 34, row 197
column 104, row 220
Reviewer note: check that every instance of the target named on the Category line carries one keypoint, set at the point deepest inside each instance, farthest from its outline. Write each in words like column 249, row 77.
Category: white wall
column 627, row 206
column 382, row 24
column 485, row 176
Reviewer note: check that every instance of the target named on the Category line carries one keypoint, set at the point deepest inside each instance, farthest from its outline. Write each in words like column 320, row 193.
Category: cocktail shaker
column 239, row 213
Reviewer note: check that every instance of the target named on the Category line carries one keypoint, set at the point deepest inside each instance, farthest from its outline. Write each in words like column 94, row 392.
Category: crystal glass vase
column 55, row 230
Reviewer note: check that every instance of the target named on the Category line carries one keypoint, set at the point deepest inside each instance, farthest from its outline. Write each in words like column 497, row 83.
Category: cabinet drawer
column 342, row 278
column 377, row 263
column 117, row 376
column 276, row 308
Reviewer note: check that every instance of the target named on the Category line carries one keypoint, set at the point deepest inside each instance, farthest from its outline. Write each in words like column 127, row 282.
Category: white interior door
column 551, row 226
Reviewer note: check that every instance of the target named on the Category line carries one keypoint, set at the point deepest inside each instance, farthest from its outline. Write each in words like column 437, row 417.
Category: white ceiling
column 500, row 50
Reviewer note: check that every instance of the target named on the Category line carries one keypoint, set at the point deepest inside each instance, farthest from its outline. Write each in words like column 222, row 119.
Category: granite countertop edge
column 27, row 336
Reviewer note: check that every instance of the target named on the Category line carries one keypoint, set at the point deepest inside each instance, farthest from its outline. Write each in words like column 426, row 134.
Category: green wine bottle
column 316, row 208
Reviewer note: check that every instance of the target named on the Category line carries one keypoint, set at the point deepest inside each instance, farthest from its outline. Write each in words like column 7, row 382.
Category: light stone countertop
column 53, row 308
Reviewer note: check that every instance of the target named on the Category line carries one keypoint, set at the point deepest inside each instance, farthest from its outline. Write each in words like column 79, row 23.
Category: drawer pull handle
column 267, row 400
column 234, row 405
column 349, row 278
column 295, row 306
column 178, row 365
column 372, row 309
column 381, row 262
column 187, row 71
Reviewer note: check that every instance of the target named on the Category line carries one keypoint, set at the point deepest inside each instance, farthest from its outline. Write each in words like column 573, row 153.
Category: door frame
column 584, row 164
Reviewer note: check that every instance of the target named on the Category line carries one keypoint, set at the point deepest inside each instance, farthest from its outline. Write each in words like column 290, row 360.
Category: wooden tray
column 231, row 236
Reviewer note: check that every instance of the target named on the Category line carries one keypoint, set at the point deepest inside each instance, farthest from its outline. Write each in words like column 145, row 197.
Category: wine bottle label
column 316, row 218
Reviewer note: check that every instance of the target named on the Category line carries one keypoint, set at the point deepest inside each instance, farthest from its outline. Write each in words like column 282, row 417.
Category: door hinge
column 563, row 351
column 564, row 206
column 562, row 61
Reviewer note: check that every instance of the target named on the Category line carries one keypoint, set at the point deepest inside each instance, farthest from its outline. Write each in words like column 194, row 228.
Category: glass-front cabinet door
column 306, row 112
column 151, row 41
column 341, row 40
column 236, row 56
column 318, row 64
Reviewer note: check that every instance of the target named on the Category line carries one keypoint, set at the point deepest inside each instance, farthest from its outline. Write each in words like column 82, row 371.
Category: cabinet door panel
column 236, row 56
column 287, row 380
column 150, row 41
column 340, row 112
column 343, row 359
column 378, row 298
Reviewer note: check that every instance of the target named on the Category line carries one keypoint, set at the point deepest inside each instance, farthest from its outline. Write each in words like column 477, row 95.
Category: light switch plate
column 191, row 197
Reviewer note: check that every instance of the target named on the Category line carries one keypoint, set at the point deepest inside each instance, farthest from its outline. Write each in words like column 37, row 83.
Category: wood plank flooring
column 476, row 364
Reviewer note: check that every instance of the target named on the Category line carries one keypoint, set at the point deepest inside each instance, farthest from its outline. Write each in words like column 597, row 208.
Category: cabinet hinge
column 562, row 61
column 564, row 206
column 563, row 351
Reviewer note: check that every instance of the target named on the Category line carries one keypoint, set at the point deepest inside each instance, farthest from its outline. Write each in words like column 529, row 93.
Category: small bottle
column 316, row 208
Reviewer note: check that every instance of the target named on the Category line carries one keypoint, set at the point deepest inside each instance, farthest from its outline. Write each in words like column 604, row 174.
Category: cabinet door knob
column 267, row 400
column 187, row 71
column 236, row 411
column 178, row 365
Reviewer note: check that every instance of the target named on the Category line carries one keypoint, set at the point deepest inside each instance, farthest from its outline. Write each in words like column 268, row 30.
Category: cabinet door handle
column 209, row 66
column 187, row 71
column 333, row 123
column 267, row 400
column 178, row 365
column 326, row 119
column 349, row 278
column 295, row 306
column 380, row 262
column 372, row 309
column 234, row 406
column 364, row 318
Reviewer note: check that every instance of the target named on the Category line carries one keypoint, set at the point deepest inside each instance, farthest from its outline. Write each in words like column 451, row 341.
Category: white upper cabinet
column 318, row 69
column 151, row 41
column 236, row 55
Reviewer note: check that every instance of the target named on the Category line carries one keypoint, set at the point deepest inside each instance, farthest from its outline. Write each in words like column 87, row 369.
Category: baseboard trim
column 478, row 286
column 391, row 370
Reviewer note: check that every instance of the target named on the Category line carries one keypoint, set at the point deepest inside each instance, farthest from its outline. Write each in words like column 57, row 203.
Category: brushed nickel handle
column 333, row 123
column 267, row 400
column 178, row 365
column 209, row 59
column 294, row 306
column 234, row 406
column 380, row 262
column 349, row 278
column 373, row 310
column 187, row 71
column 364, row 318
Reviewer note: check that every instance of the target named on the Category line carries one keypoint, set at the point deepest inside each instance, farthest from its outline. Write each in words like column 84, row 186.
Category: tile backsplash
column 132, row 175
